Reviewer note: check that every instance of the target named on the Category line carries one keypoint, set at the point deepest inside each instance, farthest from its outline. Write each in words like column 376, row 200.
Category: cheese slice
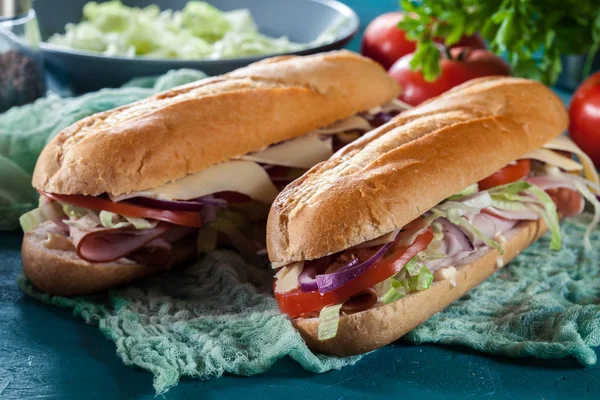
column 244, row 177
column 392, row 105
column 355, row 122
column 302, row 152
column 553, row 158
column 563, row 143
column 287, row 277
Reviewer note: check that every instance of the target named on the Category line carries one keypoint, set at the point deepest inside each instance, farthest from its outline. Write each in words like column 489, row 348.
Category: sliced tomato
column 568, row 201
column 183, row 218
column 511, row 173
column 297, row 302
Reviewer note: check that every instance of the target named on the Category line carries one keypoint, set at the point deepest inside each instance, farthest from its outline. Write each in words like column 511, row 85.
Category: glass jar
column 21, row 66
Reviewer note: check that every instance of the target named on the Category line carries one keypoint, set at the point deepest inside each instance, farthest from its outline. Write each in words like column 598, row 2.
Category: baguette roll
column 367, row 231
column 397, row 172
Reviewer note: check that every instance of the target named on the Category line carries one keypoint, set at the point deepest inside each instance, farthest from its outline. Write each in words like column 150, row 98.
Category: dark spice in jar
column 20, row 80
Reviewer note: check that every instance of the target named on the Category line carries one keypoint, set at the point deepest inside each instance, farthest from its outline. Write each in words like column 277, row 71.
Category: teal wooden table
column 47, row 354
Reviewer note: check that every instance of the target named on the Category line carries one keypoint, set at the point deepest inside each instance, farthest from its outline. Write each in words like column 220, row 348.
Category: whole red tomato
column 584, row 114
column 385, row 43
column 463, row 64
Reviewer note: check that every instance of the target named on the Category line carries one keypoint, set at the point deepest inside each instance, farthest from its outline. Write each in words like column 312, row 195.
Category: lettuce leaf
column 521, row 194
column 455, row 216
column 394, row 293
column 329, row 319
column 589, row 196
column 198, row 31
column 469, row 190
column 74, row 211
column 402, row 284
column 205, row 21
column 35, row 217
column 207, row 239
column 115, row 221
column 548, row 213
column 234, row 231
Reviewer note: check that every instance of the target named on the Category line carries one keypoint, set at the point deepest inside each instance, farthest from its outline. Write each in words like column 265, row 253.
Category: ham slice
column 524, row 214
column 105, row 244
column 360, row 301
column 546, row 182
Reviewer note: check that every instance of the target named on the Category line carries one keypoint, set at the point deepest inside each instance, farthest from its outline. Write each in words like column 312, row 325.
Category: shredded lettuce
column 32, row 219
column 74, row 211
column 234, row 230
column 589, row 196
column 586, row 189
column 469, row 190
column 205, row 21
column 432, row 251
column 207, row 239
column 510, row 188
column 404, row 283
column 455, row 216
column 114, row 221
column 394, row 293
column 548, row 213
column 199, row 31
column 329, row 319
column 87, row 222
column 413, row 267
column 521, row 194
column 482, row 200
column 419, row 282
column 507, row 205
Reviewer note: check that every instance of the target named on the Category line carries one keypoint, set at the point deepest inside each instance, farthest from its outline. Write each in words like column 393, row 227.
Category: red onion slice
column 210, row 213
column 167, row 204
column 307, row 279
column 211, row 201
column 329, row 282
column 179, row 205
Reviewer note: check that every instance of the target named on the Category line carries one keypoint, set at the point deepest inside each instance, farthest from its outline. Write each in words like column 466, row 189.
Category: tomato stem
column 464, row 54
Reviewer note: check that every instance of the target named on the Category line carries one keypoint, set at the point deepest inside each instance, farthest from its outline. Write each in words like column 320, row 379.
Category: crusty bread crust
column 63, row 273
column 394, row 174
column 185, row 130
column 368, row 330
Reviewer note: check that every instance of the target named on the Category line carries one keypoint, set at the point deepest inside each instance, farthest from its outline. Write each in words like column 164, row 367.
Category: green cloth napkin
column 218, row 316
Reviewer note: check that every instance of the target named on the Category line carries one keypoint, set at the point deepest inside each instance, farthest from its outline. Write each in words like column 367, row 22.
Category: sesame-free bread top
column 184, row 130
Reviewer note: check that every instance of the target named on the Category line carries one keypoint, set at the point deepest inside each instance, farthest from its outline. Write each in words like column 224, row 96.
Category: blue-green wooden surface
column 47, row 354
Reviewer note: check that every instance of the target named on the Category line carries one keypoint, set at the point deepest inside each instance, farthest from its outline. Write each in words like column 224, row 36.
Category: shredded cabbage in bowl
column 199, row 31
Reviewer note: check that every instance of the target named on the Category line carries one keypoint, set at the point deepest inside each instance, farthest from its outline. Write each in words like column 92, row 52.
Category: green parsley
column 531, row 34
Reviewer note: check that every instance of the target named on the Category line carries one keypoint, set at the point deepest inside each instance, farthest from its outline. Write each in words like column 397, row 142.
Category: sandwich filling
column 544, row 185
column 225, row 204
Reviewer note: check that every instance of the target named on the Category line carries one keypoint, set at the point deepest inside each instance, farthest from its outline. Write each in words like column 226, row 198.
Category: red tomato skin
column 415, row 89
column 385, row 43
column 584, row 115
column 508, row 174
column 183, row 218
column 568, row 202
column 297, row 303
